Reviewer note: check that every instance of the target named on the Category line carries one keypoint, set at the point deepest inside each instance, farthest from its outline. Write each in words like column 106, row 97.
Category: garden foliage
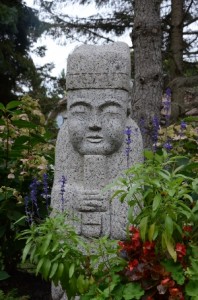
column 158, row 259
column 25, row 152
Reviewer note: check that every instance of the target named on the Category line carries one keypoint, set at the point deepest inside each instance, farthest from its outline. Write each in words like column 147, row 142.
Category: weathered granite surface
column 90, row 149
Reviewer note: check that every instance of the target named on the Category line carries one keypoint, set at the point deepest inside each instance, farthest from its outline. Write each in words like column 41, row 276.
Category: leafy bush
column 25, row 152
column 162, row 249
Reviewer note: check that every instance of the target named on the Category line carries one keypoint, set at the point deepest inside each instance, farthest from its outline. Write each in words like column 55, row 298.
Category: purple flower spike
column 62, row 191
column 128, row 141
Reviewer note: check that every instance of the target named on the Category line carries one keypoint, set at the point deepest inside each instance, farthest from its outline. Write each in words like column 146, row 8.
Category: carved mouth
column 94, row 139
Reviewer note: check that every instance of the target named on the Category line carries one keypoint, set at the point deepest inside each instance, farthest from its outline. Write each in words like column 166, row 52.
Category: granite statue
column 90, row 150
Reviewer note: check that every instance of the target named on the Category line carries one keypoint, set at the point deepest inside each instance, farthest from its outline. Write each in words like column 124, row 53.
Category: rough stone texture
column 91, row 144
column 105, row 66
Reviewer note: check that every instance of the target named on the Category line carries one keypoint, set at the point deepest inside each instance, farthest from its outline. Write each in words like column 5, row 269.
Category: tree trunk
column 147, row 89
column 176, row 56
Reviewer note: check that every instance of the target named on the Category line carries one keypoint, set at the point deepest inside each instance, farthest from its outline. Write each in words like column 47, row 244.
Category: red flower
column 168, row 282
column 133, row 229
column 187, row 228
column 181, row 250
column 121, row 244
column 148, row 248
column 132, row 264
column 176, row 293
column 135, row 237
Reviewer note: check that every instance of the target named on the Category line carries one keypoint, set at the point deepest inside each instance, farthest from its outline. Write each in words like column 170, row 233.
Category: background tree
column 19, row 27
column 146, row 38
column 179, row 39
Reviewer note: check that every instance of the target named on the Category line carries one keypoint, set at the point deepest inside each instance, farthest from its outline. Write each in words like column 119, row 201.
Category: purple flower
column 45, row 193
column 33, row 193
column 128, row 141
column 168, row 146
column 183, row 125
column 62, row 191
column 156, row 127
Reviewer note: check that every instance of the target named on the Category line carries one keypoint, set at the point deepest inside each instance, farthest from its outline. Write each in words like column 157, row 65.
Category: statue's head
column 98, row 88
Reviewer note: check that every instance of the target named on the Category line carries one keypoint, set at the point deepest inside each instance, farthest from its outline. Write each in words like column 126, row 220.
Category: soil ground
column 27, row 285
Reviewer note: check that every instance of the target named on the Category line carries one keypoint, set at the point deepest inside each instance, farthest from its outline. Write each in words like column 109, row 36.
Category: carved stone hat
column 99, row 67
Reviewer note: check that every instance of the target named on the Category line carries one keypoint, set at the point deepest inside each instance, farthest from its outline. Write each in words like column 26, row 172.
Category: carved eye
column 111, row 110
column 79, row 109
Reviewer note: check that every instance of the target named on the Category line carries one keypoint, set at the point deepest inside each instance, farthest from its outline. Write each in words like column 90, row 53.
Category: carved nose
column 95, row 123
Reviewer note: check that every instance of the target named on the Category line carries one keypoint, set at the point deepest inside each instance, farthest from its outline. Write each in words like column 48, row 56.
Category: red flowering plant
column 162, row 245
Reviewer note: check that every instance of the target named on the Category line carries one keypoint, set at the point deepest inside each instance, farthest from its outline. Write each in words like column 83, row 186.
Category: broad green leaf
column 170, row 246
column 24, row 124
column 12, row 104
column 55, row 246
column 46, row 268
column 132, row 291
column 26, row 251
column 56, row 257
column 46, row 243
column 168, row 226
column 71, row 270
column 165, row 176
column 192, row 288
column 117, row 193
column 148, row 154
column 143, row 227
column 176, row 270
column 156, row 182
column 53, row 270
column 151, row 232
column 156, row 202
column 130, row 214
column 2, row 107
column 40, row 263
column 80, row 284
column 60, row 270
column 171, row 192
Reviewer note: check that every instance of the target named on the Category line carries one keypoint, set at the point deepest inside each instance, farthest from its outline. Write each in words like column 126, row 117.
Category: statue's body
column 91, row 144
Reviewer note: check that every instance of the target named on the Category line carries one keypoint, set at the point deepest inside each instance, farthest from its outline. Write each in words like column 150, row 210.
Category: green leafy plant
column 25, row 152
column 64, row 257
column 162, row 249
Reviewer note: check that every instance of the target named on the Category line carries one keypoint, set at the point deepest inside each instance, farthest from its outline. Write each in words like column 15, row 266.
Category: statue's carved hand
column 92, row 201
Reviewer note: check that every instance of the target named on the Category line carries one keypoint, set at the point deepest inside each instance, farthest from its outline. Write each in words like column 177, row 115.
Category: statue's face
column 96, row 120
